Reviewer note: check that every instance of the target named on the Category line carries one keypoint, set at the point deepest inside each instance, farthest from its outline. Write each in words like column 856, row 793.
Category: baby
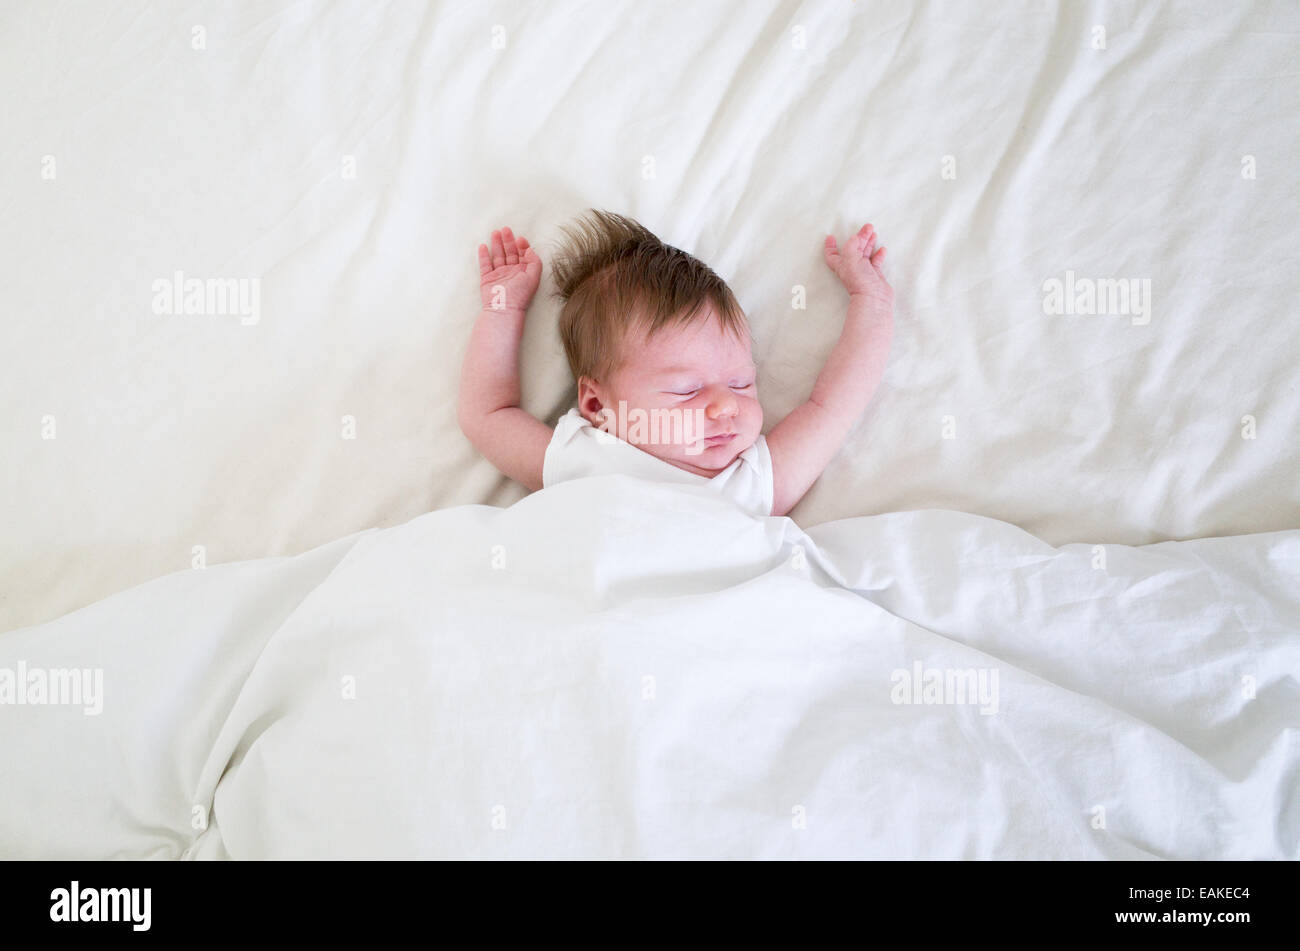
column 651, row 332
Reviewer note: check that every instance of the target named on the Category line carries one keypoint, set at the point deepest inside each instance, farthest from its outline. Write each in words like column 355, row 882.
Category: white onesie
column 580, row 449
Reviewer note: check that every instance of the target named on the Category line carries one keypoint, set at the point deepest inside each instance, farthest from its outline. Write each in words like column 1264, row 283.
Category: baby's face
column 703, row 376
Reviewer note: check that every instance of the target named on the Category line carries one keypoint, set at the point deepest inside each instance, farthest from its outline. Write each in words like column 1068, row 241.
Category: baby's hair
column 613, row 275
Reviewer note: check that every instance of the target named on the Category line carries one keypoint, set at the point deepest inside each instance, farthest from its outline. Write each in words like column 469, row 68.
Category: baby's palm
column 859, row 264
column 509, row 271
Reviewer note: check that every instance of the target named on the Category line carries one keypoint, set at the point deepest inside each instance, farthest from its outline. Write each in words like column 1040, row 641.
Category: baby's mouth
column 720, row 439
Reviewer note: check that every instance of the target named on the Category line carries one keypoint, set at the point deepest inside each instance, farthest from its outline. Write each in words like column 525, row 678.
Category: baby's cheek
column 756, row 418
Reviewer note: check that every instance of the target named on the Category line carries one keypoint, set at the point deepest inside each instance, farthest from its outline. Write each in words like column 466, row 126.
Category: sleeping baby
column 662, row 355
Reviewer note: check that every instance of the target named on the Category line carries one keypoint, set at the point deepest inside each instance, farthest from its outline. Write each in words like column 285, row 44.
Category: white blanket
column 613, row 667
column 351, row 155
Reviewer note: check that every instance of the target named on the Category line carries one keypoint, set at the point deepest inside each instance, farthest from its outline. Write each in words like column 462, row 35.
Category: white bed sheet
column 627, row 669
column 768, row 124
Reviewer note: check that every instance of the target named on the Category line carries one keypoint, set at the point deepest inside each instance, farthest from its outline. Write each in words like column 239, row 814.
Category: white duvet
column 619, row 668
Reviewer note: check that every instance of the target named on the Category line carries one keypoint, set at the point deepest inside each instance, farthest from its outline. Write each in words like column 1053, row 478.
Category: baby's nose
column 723, row 404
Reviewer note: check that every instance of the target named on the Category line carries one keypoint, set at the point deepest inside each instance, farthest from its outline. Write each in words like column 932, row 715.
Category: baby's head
column 658, row 345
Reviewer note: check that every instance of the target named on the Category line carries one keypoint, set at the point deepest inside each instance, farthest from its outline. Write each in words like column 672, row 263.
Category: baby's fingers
column 511, row 249
column 831, row 252
column 878, row 258
column 484, row 259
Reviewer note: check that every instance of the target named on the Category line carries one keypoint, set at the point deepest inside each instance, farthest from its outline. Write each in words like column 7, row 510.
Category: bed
column 1091, row 218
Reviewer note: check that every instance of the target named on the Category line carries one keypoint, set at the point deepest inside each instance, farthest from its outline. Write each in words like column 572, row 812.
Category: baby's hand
column 509, row 272
column 857, row 267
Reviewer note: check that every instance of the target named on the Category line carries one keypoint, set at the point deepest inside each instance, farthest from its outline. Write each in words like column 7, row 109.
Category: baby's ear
column 590, row 399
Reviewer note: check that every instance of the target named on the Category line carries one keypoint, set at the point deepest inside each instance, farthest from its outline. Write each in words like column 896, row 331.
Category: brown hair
column 614, row 275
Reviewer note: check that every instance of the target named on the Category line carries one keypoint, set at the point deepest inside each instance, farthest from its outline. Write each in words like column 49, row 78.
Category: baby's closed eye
column 688, row 392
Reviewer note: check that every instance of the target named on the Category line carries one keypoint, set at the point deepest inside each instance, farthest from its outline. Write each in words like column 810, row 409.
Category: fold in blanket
column 613, row 667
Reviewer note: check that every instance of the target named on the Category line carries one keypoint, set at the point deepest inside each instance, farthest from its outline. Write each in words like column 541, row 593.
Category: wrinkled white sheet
column 768, row 124
column 619, row 668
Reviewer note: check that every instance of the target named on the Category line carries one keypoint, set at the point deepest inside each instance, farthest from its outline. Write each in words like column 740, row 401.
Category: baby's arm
column 489, row 414
column 805, row 441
